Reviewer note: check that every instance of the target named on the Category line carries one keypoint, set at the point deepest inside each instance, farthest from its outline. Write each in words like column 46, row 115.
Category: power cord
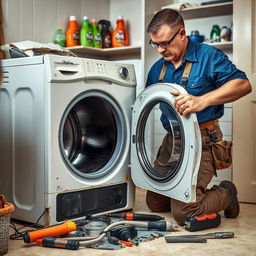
column 18, row 234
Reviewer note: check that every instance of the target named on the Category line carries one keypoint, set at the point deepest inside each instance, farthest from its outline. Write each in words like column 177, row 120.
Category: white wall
column 37, row 20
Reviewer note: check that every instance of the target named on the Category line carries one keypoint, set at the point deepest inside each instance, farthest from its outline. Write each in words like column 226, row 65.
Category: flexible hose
column 143, row 224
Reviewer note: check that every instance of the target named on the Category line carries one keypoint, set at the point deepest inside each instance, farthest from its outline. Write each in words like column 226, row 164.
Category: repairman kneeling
column 211, row 81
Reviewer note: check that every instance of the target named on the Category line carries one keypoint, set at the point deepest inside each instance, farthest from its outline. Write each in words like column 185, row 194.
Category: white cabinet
column 203, row 17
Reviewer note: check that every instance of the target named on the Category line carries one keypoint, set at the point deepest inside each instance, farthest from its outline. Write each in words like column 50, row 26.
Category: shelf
column 223, row 45
column 107, row 53
column 210, row 10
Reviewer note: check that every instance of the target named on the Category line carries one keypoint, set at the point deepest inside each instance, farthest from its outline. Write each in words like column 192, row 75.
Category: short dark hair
column 165, row 16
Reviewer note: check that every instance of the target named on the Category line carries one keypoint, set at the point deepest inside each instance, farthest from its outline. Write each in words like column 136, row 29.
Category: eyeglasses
column 163, row 44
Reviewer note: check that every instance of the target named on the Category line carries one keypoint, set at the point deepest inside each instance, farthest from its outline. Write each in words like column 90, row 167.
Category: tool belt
column 209, row 125
column 221, row 149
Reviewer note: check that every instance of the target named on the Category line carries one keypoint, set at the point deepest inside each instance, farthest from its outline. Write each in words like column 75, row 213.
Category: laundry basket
column 5, row 212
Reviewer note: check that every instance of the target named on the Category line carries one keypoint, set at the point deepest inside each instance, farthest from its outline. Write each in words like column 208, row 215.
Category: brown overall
column 207, row 201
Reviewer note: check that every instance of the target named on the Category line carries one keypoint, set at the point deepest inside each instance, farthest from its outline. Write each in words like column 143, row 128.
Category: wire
column 18, row 234
column 36, row 224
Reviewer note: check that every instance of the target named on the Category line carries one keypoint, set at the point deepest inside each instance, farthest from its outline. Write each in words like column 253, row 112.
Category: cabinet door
column 244, row 110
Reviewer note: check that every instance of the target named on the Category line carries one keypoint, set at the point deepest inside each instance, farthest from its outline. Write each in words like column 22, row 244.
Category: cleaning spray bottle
column 86, row 35
column 72, row 34
column 97, row 41
column 119, row 35
column 105, row 33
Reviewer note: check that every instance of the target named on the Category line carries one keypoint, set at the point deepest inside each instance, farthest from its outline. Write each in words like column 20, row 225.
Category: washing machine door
column 92, row 135
column 173, row 173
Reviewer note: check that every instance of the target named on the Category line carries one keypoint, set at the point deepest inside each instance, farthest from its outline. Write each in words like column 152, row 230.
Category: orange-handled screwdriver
column 59, row 243
column 56, row 230
column 135, row 216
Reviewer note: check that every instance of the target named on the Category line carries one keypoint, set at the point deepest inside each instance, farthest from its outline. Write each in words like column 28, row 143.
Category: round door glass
column 91, row 134
column 160, row 140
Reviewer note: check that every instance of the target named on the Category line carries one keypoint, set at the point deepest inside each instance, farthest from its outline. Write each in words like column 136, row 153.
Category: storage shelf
column 223, row 45
column 210, row 10
column 107, row 53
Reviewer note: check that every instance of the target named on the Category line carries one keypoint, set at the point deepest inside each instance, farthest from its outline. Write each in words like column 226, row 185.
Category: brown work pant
column 207, row 201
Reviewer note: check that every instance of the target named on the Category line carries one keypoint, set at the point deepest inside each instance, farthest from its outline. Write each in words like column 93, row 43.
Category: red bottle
column 119, row 35
column 72, row 34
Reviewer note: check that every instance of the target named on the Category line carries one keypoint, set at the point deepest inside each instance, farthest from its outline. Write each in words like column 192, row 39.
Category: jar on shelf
column 225, row 34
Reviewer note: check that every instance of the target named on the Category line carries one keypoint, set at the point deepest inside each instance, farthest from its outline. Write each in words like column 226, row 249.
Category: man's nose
column 160, row 49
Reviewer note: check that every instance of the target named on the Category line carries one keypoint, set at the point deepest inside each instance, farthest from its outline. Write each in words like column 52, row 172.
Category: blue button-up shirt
column 211, row 69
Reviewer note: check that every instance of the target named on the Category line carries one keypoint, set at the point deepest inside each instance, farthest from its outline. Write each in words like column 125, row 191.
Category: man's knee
column 157, row 202
column 179, row 217
column 181, row 210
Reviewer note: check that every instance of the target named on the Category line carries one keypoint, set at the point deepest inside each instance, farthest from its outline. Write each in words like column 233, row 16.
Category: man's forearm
column 229, row 92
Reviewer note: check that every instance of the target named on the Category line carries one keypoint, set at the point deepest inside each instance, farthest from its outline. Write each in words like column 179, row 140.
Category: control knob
column 123, row 72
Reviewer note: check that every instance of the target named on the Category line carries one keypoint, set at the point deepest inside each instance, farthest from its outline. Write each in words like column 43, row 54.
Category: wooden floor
column 244, row 242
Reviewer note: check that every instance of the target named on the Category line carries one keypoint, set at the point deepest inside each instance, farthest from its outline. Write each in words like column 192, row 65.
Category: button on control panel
column 123, row 72
column 115, row 72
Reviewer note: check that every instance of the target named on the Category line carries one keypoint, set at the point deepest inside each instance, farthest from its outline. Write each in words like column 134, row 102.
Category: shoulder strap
column 161, row 77
column 185, row 75
column 186, row 72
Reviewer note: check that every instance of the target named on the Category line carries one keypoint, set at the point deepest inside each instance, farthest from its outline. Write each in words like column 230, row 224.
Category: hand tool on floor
column 196, row 223
column 59, row 243
column 124, row 232
column 135, row 216
column 52, row 231
column 115, row 240
column 198, row 238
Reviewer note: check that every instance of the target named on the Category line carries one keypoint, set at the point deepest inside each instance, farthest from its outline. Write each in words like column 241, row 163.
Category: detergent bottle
column 119, row 35
column 72, row 34
column 59, row 38
column 105, row 33
column 215, row 33
column 86, row 36
column 97, row 41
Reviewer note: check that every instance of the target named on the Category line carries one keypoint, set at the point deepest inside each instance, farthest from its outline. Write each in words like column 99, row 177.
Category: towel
column 31, row 48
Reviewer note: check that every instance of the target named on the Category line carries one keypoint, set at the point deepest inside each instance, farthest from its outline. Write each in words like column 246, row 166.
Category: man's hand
column 228, row 92
column 186, row 103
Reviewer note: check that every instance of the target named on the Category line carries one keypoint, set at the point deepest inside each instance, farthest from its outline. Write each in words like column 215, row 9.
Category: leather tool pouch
column 222, row 154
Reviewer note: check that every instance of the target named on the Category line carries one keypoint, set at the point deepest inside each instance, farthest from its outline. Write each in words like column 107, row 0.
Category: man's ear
column 183, row 33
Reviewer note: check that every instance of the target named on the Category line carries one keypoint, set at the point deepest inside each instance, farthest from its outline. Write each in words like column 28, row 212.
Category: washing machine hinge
column 133, row 139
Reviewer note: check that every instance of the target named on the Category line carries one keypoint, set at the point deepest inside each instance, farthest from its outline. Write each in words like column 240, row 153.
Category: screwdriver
column 135, row 216
column 59, row 243
column 198, row 238
column 114, row 240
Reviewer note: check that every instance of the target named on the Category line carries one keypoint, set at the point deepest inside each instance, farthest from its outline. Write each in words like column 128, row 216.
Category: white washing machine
column 65, row 137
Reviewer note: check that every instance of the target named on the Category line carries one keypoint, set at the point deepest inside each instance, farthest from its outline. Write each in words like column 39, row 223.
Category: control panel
column 120, row 73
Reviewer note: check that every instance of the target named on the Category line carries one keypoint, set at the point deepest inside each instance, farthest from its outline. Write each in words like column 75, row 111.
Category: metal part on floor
column 198, row 238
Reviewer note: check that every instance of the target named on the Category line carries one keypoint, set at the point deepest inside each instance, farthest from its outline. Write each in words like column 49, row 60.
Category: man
column 213, row 80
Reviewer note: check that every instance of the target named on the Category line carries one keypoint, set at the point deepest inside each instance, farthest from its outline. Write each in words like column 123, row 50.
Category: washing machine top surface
column 175, row 173
column 23, row 61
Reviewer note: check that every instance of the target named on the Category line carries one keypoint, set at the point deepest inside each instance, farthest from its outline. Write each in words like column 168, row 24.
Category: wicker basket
column 5, row 214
